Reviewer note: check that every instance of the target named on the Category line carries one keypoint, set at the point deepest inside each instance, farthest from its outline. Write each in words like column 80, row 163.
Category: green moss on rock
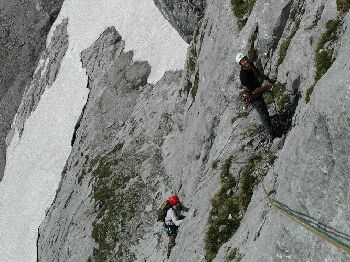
column 214, row 164
column 309, row 92
column 117, row 190
column 242, row 9
column 324, row 52
column 251, row 132
column 277, row 96
column 238, row 116
column 247, row 181
column 194, row 89
column 191, row 64
column 227, row 207
column 234, row 255
column 221, row 226
column 343, row 6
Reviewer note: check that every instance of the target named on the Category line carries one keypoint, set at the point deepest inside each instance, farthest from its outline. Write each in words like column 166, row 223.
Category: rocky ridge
column 136, row 143
column 116, row 156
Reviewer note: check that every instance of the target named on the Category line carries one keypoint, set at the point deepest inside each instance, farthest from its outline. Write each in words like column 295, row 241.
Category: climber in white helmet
column 249, row 77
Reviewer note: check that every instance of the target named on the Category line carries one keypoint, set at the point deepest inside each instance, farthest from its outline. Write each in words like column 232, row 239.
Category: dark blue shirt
column 250, row 81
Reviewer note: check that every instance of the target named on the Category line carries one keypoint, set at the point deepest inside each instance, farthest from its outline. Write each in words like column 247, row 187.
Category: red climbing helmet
column 173, row 200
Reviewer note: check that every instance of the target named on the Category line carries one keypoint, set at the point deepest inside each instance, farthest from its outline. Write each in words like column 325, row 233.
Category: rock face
column 115, row 168
column 182, row 15
column 23, row 30
column 188, row 134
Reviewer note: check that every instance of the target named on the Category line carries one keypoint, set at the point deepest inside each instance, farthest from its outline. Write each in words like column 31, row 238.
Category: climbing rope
column 316, row 228
column 206, row 178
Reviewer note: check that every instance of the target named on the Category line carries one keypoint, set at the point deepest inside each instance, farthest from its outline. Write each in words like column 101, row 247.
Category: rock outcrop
column 182, row 15
column 24, row 26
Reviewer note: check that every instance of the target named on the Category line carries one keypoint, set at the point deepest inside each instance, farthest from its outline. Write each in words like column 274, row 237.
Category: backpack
column 163, row 210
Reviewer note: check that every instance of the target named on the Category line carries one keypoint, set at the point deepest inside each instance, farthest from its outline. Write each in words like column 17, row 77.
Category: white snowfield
column 35, row 161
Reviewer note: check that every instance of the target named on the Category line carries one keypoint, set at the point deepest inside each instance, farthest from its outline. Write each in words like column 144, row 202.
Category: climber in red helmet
column 173, row 220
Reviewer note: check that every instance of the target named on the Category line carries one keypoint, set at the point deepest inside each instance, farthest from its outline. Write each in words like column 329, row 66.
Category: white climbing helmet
column 239, row 57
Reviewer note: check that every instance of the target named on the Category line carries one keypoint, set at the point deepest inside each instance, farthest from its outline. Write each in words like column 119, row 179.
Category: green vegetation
column 117, row 148
column 251, row 132
column 116, row 201
column 323, row 60
column 194, row 88
column 227, row 207
column 234, row 255
column 192, row 59
column 324, row 52
column 238, row 116
column 225, row 168
column 309, row 92
column 214, row 164
column 221, row 227
column 343, row 6
column 271, row 158
column 242, row 148
column 242, row 9
column 191, row 64
column 247, row 181
column 273, row 191
column 277, row 96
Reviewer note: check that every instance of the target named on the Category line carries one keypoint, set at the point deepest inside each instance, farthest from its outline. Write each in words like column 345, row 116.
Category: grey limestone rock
column 136, row 143
column 24, row 26
column 183, row 15
column 309, row 174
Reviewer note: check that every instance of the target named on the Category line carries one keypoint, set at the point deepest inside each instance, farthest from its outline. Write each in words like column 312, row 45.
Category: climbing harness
column 311, row 225
column 246, row 98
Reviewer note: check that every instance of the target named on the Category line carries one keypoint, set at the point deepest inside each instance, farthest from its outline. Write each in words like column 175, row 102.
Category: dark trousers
column 171, row 230
column 260, row 107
